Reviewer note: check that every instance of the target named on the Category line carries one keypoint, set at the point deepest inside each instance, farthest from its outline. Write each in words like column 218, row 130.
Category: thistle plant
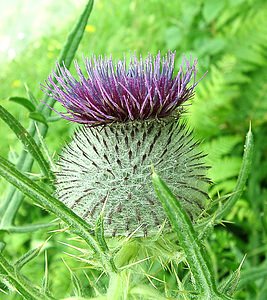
column 132, row 183
column 130, row 116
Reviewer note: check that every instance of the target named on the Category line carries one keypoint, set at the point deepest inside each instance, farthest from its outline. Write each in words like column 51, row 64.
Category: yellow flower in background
column 16, row 83
column 90, row 28
column 50, row 54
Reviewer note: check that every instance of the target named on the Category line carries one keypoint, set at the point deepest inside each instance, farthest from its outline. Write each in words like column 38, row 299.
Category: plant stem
column 19, row 282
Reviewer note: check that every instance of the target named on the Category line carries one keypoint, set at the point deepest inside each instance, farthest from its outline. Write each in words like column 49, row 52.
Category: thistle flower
column 131, row 122
column 118, row 93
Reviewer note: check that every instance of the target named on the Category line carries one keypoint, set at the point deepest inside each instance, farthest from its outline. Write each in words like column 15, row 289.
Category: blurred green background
column 229, row 38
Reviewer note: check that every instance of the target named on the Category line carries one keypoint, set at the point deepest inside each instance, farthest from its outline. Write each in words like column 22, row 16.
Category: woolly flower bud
column 131, row 116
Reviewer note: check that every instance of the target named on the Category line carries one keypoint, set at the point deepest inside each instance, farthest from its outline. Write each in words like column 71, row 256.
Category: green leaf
column 127, row 253
column 23, row 101
column 146, row 292
column 27, row 228
column 193, row 249
column 15, row 279
column 37, row 116
column 27, row 140
column 229, row 286
column 68, row 52
column 75, row 36
column 36, row 193
column 173, row 37
column 237, row 193
column 27, row 257
column 99, row 233
column 11, row 203
column 251, row 275
column 240, row 185
column 77, row 285
column 212, row 9
column 53, row 119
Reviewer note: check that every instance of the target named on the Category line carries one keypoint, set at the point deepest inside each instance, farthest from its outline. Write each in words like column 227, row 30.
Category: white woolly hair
column 108, row 168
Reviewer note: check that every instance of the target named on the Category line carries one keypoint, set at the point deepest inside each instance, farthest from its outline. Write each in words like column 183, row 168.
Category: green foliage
column 14, row 280
column 27, row 140
column 229, row 38
column 24, row 102
column 204, row 279
column 13, row 200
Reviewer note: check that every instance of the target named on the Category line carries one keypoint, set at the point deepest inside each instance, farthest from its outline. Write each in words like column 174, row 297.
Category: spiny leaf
column 242, row 178
column 230, row 285
column 36, row 193
column 27, row 257
column 195, row 255
column 28, row 227
column 21, row 285
column 75, row 36
column 45, row 282
column 27, row 140
column 240, row 185
column 146, row 292
column 75, row 281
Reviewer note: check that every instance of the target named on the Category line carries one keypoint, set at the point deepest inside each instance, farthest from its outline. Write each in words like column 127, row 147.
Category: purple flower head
column 116, row 92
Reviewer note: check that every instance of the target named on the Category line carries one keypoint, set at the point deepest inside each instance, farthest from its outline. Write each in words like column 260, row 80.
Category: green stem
column 19, row 282
column 12, row 202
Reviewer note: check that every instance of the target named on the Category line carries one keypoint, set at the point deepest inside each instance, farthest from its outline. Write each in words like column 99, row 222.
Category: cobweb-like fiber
column 111, row 165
